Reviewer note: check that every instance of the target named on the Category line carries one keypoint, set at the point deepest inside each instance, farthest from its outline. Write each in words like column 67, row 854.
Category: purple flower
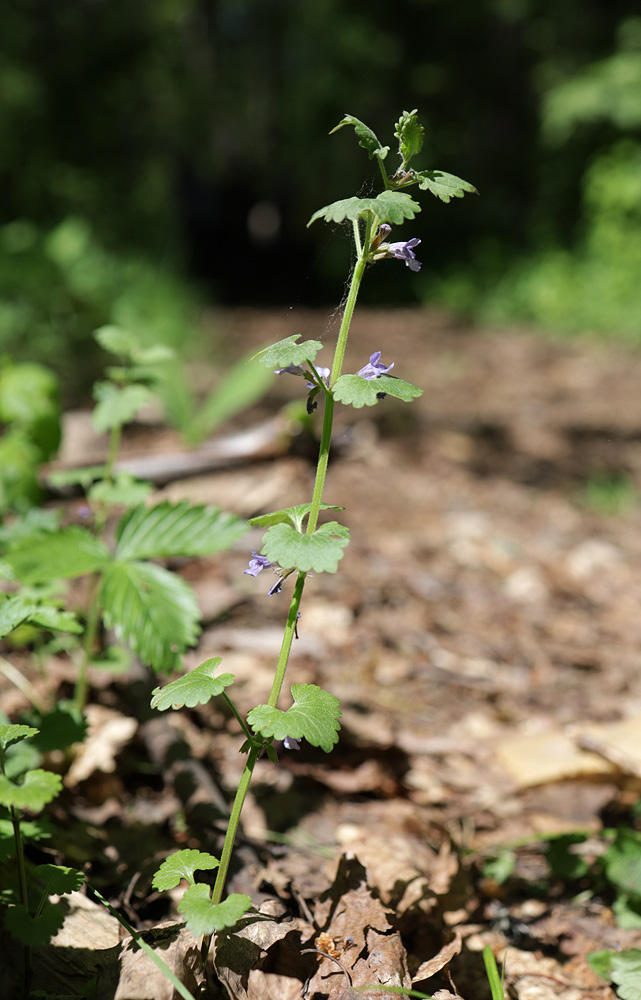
column 291, row 370
column 404, row 251
column 375, row 367
column 323, row 374
column 292, row 742
column 257, row 564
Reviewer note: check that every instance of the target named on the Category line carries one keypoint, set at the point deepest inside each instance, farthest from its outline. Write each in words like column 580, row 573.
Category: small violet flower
column 257, row 564
column 292, row 742
column 375, row 367
column 404, row 251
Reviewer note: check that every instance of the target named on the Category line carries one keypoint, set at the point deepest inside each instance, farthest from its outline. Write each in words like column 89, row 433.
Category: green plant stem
column 288, row 637
column 352, row 295
column 239, row 719
column 22, row 882
column 93, row 621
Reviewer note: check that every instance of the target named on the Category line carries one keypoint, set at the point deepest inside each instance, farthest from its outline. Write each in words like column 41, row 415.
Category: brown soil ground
column 483, row 635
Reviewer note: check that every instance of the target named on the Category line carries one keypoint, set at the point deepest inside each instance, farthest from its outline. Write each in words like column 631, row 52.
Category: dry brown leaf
column 438, row 962
column 108, row 732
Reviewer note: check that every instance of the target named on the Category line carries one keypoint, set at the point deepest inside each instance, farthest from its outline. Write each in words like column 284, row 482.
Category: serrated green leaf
column 117, row 406
column 58, row 880
column 55, row 619
column 67, row 553
column 153, row 610
column 625, row 971
column 601, row 962
column 60, row 727
column 115, row 340
column 195, row 688
column 356, row 391
column 38, row 788
column 287, row 352
column 33, row 931
column 13, row 733
column 178, row 529
column 367, row 138
column 204, row 917
column 289, row 515
column 313, row 716
column 123, row 491
column 181, row 865
column 389, row 206
column 319, row 552
column 409, row 133
column 444, row 186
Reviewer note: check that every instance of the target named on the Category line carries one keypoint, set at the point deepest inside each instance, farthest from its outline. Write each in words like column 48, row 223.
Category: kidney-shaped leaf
column 195, row 688
column 318, row 552
column 204, row 917
column 38, row 788
column 313, row 716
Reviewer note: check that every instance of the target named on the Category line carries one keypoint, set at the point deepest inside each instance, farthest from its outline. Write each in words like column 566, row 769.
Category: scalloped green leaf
column 67, row 553
column 389, row 206
column 58, row 880
column 313, row 716
column 14, row 733
column 366, row 138
column 204, row 917
column 182, row 865
column 319, row 552
column 289, row 515
column 123, row 491
column 352, row 390
column 287, row 352
column 176, row 529
column 153, row 610
column 38, row 788
column 116, row 406
column 33, row 931
column 444, row 186
column 410, row 134
column 195, row 688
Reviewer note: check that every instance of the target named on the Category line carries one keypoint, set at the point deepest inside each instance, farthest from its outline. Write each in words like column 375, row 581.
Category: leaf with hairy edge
column 195, row 688
column 356, row 391
column 71, row 552
column 409, row 133
column 58, row 879
column 15, row 733
column 182, row 865
column 176, row 529
column 153, row 610
column 38, row 788
column 289, row 515
column 313, row 716
column 444, row 186
column 367, row 138
column 288, row 352
column 318, row 552
column 116, row 406
column 204, row 917
column 389, row 206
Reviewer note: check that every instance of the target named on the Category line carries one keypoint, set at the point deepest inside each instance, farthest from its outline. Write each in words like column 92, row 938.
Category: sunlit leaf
column 182, row 865
column 70, row 552
column 195, row 688
column 444, row 186
column 367, row 138
column 288, row 352
column 117, row 406
column 38, row 788
column 14, row 733
column 409, row 133
column 356, row 391
column 178, row 529
column 313, row 716
column 153, row 610
column 318, row 552
column 58, row 880
column 204, row 917
column 289, row 515
column 390, row 206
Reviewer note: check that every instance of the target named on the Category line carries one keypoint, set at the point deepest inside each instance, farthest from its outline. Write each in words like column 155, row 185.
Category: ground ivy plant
column 295, row 543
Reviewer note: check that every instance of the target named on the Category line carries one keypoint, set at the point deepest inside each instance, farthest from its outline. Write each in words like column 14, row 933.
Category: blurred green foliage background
column 161, row 155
